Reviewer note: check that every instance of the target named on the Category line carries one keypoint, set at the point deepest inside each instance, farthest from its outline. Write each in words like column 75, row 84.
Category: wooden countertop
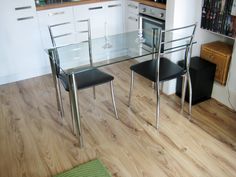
column 67, row 4
column 152, row 3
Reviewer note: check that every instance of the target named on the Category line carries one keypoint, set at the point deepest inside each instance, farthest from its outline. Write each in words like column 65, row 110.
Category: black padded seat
column 89, row 78
column 168, row 69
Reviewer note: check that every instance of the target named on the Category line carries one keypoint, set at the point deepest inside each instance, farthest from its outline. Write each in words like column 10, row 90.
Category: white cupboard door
column 27, row 50
column 97, row 20
column 132, row 7
column 23, row 3
column 131, row 22
column 23, row 51
column 80, row 15
column 131, row 11
column 114, row 18
column 63, row 21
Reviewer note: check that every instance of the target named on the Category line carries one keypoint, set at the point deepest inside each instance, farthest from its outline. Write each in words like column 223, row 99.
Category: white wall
column 183, row 12
column 179, row 13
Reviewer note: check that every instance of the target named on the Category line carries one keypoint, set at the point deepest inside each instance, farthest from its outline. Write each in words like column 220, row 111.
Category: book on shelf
column 216, row 17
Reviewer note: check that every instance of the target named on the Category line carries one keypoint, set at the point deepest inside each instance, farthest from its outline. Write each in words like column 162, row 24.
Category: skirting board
column 22, row 76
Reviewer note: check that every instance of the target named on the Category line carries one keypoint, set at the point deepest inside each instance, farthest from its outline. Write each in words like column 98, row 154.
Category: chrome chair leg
column 94, row 92
column 72, row 114
column 158, row 105
column 190, row 94
column 61, row 108
column 131, row 87
column 184, row 84
column 113, row 99
column 75, row 104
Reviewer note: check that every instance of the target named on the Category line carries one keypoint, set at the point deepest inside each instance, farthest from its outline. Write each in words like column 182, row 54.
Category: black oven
column 150, row 18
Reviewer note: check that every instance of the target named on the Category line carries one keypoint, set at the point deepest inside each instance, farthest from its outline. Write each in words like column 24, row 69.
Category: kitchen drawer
column 133, row 7
column 114, row 17
column 62, row 29
column 220, row 54
column 65, row 39
column 23, row 3
column 81, row 26
column 81, row 29
column 131, row 22
column 56, row 16
column 81, row 12
column 80, row 37
column 24, row 11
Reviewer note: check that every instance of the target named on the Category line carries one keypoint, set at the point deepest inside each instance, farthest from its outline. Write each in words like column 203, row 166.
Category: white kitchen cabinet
column 97, row 19
column 96, row 13
column 132, row 6
column 62, row 22
column 131, row 22
column 80, row 14
column 23, row 54
column 131, row 11
column 114, row 17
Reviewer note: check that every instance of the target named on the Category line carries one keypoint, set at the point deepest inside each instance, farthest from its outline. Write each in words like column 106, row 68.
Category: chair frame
column 158, row 53
column 56, row 69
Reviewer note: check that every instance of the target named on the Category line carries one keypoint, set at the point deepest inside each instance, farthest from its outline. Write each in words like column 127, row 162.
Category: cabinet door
column 62, row 19
column 132, row 7
column 80, row 14
column 22, row 3
column 97, row 19
column 114, row 18
column 131, row 11
column 23, row 51
column 131, row 22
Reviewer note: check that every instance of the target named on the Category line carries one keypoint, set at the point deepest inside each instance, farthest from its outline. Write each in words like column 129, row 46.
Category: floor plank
column 35, row 141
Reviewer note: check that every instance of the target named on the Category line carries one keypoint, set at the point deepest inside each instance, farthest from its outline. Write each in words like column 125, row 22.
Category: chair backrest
column 54, row 53
column 163, row 46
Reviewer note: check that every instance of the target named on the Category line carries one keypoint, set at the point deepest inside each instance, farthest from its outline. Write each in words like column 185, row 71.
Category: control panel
column 152, row 11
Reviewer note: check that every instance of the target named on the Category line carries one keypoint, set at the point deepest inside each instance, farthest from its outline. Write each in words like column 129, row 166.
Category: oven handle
column 155, row 21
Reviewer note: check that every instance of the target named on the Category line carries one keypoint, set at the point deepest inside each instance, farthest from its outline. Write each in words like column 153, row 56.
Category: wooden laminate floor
column 35, row 142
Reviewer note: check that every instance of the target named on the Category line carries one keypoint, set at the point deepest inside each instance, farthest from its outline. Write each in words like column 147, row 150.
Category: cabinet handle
column 23, row 8
column 56, row 13
column 59, row 24
column 81, row 21
column 94, row 8
column 114, row 5
column 133, row 19
column 133, row 6
column 25, row 18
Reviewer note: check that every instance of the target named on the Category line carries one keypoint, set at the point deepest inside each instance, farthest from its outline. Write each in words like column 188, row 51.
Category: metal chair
column 84, row 79
column 160, row 69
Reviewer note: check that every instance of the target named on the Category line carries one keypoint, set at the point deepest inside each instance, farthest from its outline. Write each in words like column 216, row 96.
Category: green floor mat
column 90, row 169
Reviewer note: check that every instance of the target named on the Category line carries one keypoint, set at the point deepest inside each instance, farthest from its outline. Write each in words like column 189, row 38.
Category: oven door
column 147, row 24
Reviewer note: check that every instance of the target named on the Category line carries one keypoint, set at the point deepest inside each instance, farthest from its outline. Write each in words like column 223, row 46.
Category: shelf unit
column 217, row 18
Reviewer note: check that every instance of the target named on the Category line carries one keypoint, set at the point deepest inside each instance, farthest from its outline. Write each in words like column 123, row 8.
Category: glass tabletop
column 104, row 51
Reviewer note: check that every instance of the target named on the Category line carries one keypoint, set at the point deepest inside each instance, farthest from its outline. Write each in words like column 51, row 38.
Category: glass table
column 77, row 57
